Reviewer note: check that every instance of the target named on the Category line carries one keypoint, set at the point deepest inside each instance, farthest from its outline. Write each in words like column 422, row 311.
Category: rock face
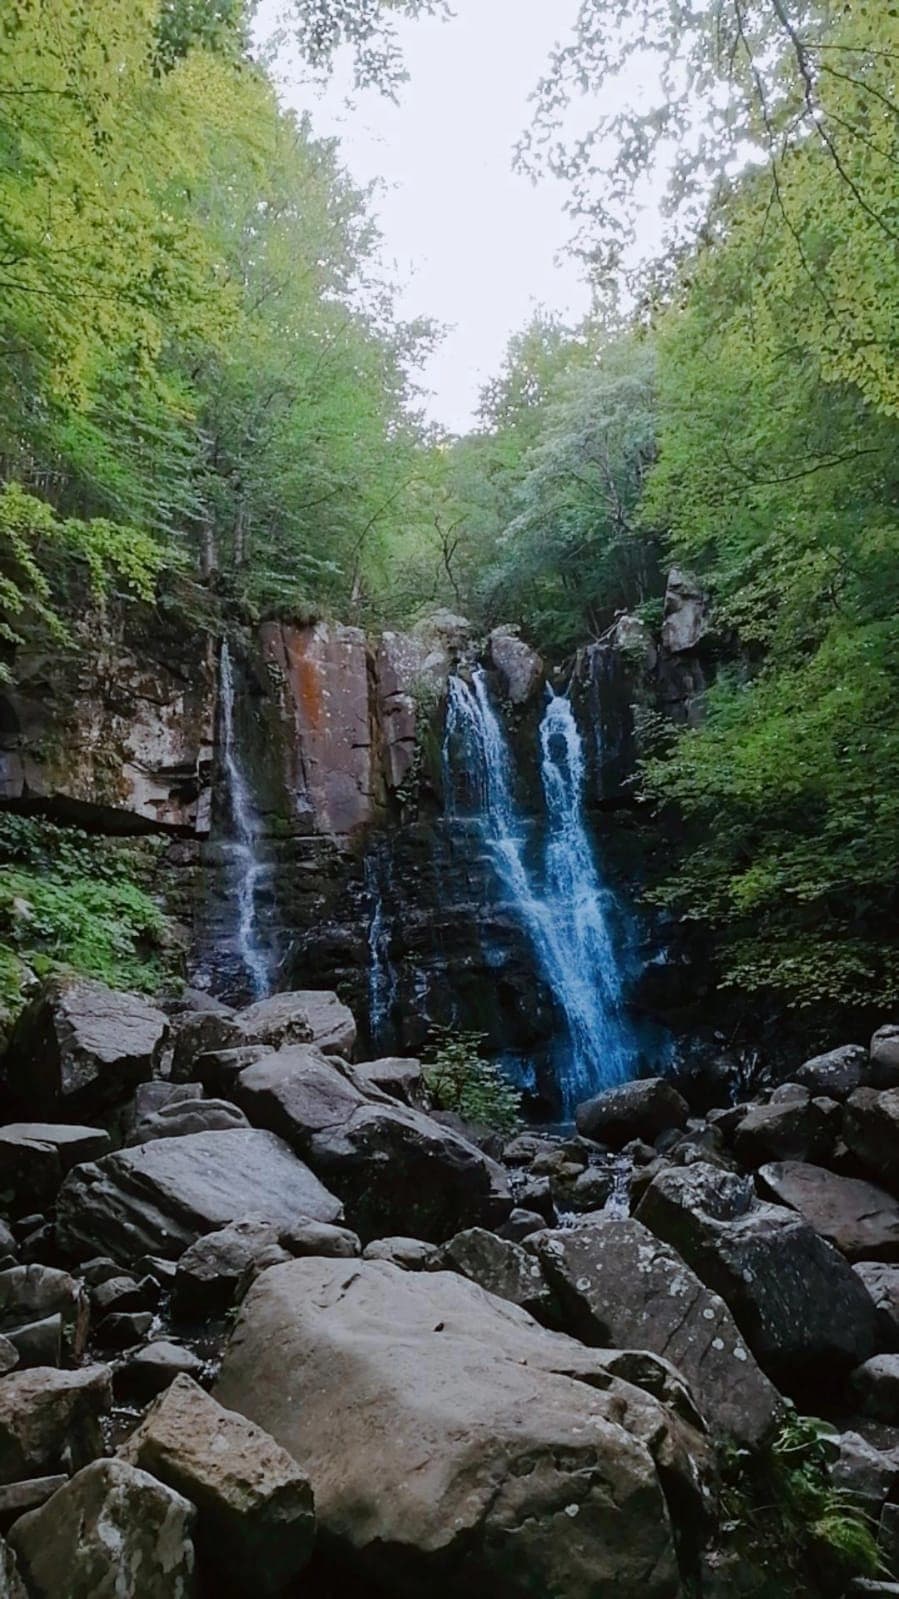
column 861, row 1220
column 256, row 1521
column 157, row 1198
column 798, row 1304
column 519, row 666
column 640, row 1109
column 451, row 1443
column 685, row 620
column 50, row 1419
column 81, row 1045
column 111, row 1533
column 617, row 1285
column 394, row 1168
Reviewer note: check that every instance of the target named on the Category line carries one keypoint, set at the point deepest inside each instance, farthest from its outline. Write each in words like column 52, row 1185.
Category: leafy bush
column 458, row 1078
column 69, row 900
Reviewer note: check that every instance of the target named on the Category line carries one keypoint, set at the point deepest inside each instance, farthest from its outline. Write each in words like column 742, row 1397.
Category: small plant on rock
column 458, row 1078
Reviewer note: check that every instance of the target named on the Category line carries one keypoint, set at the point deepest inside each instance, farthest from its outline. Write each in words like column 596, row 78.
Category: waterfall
column 242, row 847
column 382, row 977
column 561, row 902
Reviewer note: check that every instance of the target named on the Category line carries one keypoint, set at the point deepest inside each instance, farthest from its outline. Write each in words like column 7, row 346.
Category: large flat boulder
column 303, row 1015
column 396, row 1170
column 861, row 1220
column 617, row 1285
column 641, row 1109
column 111, row 1533
column 81, row 1045
column 50, row 1420
column 455, row 1446
column 801, row 1308
column 156, row 1199
column 256, row 1520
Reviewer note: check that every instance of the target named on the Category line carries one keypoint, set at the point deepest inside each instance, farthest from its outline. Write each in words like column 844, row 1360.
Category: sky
column 471, row 243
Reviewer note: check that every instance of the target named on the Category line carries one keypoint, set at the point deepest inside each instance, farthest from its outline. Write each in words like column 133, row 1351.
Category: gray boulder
column 32, row 1295
column 884, row 1068
column 685, row 620
column 111, row 1533
column 641, row 1109
column 861, row 1220
column 617, row 1285
column 188, row 1116
column 211, row 1269
column 871, row 1132
column 400, row 1078
column 157, row 1198
column 520, row 667
column 793, row 1129
column 882, row 1283
column 875, row 1385
column 50, row 1420
column 81, row 1045
column 396, row 1170
column 452, row 1444
column 199, row 1033
column 503, row 1268
column 305, row 1237
column 146, row 1372
column 256, row 1522
column 35, row 1156
column 303, row 1016
column 412, row 1254
column 837, row 1074
column 799, row 1305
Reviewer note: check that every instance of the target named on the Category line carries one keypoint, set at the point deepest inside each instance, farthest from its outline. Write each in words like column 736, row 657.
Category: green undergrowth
column 72, row 901
column 791, row 1529
column 458, row 1078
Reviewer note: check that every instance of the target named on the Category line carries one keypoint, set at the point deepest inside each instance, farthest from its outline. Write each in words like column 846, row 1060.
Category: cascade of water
column 564, row 908
column 242, row 848
column 382, row 978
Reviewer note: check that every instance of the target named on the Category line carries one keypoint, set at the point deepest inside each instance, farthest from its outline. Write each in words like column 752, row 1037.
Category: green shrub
column 458, row 1078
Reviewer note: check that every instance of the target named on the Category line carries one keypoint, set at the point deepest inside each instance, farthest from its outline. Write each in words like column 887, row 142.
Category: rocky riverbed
column 268, row 1325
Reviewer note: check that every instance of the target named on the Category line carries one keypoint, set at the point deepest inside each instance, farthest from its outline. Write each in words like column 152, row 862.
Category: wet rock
column 306, row 1237
column 188, row 1116
column 785, row 1130
column 303, row 1016
column 42, row 1310
column 617, row 1285
column 837, row 1074
column 125, row 1293
column 861, row 1220
column 394, row 1168
column 34, row 1157
column 145, row 1373
column 536, row 1195
column 799, row 1305
column 81, row 1045
column 123, row 1329
column 465, row 1434
column 871, row 1132
column 401, row 1079
column 641, row 1109
column 409, row 1253
column 501, row 1267
column 111, row 1531
column 50, row 1420
column 519, row 666
column 521, row 1224
column 158, row 1198
column 685, row 620
column 875, row 1385
column 210, row 1270
column 256, row 1521
column 882, row 1283
column 884, row 1068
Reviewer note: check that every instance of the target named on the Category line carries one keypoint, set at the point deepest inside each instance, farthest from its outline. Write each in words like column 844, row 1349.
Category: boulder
column 871, row 1132
column 503, row 1268
column 111, row 1533
column 199, row 1033
column 210, row 1270
column 452, row 1444
column 882, row 1283
column 11, row 1584
column 401, row 1079
column 884, row 1067
column 151, row 1097
column 81, row 1045
column 50, row 1420
column 157, row 1198
column 799, row 1305
column 641, row 1109
column 685, row 619
column 305, row 1016
column 32, row 1294
column 861, row 1220
column 410, row 1253
column 17, row 1497
column 188, row 1116
column 146, row 1372
column 794, row 1129
column 519, row 666
column 256, row 1522
column 35, row 1156
column 305, row 1237
column 520, row 1224
column 863, row 1474
column 9, row 1356
column 123, row 1329
column 396, row 1170
column 837, row 1074
column 125, row 1293
column 617, row 1285
column 875, row 1385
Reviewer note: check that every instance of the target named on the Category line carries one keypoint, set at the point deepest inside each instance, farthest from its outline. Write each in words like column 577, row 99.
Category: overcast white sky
column 475, row 245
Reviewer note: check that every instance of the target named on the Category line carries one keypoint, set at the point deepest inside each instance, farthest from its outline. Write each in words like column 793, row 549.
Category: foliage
column 458, row 1078
column 71, row 901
